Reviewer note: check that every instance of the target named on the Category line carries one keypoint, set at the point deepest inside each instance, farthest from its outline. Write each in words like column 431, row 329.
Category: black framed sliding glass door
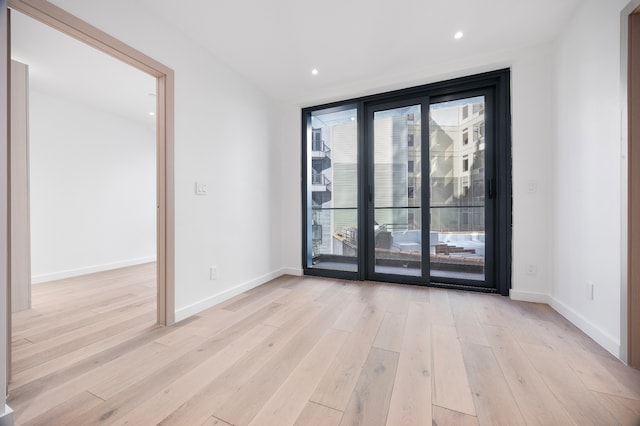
column 395, row 206
column 428, row 166
column 331, row 189
column 461, row 190
column 412, row 186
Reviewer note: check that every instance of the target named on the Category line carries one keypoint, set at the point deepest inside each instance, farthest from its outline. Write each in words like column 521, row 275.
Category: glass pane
column 457, row 154
column 397, row 191
column 332, row 183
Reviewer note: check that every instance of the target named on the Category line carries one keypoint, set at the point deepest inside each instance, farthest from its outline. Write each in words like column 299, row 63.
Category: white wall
column 586, row 156
column 532, row 178
column 92, row 189
column 532, row 142
column 223, row 138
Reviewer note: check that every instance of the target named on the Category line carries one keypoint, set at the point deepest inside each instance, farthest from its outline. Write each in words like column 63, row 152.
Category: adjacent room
column 341, row 213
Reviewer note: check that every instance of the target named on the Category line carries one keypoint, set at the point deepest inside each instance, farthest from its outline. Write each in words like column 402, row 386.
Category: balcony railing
column 319, row 148
column 320, row 179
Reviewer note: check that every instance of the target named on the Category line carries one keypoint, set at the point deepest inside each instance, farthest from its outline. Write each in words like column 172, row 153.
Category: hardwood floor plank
column 445, row 417
column 318, row 415
column 119, row 405
column 66, row 411
column 391, row 331
column 217, row 391
column 248, row 399
column 212, row 421
column 334, row 390
column 115, row 378
column 440, row 307
column 399, row 297
column 411, row 398
column 76, row 359
column 465, row 319
column 80, row 338
column 494, row 402
column 163, row 403
column 350, row 316
column 577, row 400
column 288, row 402
column 116, row 369
column 626, row 411
column 597, row 378
column 450, row 381
column 369, row 402
column 537, row 404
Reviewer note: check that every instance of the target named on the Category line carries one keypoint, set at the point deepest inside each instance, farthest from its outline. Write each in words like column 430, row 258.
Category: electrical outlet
column 213, row 273
column 201, row 188
column 532, row 269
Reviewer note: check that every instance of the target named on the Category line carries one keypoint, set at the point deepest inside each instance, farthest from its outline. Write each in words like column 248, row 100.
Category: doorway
column 412, row 186
column 57, row 18
column 89, row 171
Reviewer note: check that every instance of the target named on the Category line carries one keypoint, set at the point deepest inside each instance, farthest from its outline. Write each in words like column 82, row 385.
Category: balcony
column 319, row 149
column 320, row 183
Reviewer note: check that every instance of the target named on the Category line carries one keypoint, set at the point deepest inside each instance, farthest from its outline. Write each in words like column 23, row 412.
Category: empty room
column 366, row 213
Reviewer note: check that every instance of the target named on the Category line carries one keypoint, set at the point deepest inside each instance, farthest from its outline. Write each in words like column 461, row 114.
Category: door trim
column 63, row 21
column 630, row 308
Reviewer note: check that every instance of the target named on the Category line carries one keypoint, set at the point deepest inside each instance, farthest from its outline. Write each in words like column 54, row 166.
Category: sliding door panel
column 332, row 191
column 397, row 201
column 458, row 189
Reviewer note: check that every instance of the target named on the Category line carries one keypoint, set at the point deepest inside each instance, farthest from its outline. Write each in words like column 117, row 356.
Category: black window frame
column 498, row 82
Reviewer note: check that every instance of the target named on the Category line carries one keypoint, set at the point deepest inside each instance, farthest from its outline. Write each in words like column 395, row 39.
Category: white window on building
column 478, row 131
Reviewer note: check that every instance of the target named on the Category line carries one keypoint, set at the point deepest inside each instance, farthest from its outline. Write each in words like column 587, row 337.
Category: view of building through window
column 334, row 190
column 457, row 189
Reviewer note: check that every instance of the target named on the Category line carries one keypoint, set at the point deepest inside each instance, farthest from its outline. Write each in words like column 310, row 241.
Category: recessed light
column 151, row 113
column 458, row 35
column 353, row 119
column 314, row 71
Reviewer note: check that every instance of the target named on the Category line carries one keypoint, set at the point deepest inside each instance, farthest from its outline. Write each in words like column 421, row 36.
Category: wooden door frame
column 630, row 185
column 63, row 21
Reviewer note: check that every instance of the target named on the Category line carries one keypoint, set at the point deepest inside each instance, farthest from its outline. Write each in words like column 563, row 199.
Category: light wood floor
column 308, row 351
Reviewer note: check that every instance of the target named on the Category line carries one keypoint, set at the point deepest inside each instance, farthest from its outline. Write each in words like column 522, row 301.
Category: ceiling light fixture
column 458, row 35
column 314, row 71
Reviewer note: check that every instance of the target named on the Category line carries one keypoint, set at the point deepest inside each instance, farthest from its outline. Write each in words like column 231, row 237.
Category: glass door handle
column 490, row 188
column 370, row 193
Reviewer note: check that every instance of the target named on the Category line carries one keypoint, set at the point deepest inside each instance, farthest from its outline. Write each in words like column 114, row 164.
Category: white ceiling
column 64, row 67
column 277, row 43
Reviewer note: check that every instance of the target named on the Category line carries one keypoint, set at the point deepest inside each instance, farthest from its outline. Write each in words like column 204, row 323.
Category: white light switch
column 201, row 188
column 532, row 187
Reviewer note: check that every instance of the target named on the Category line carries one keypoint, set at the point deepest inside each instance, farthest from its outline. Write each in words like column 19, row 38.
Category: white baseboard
column 608, row 342
column 529, row 296
column 6, row 418
column 590, row 329
column 37, row 279
column 195, row 308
